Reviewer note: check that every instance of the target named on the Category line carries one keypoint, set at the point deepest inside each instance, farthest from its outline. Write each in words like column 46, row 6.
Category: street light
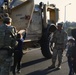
column 65, row 14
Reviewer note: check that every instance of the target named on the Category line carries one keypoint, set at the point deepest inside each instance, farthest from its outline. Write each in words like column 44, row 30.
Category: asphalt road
column 34, row 63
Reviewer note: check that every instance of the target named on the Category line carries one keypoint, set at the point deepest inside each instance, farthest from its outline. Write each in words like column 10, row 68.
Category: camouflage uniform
column 60, row 39
column 5, row 62
column 5, row 52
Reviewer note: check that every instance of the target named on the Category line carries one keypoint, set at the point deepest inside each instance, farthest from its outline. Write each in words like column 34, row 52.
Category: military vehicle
column 37, row 19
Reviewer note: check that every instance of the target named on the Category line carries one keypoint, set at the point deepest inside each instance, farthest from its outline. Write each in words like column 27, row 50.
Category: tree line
column 68, row 26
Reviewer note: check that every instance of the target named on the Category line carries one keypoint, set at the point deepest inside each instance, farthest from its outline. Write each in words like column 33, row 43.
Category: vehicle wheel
column 45, row 43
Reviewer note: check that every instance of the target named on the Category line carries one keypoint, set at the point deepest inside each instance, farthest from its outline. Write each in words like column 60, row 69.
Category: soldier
column 60, row 39
column 7, row 43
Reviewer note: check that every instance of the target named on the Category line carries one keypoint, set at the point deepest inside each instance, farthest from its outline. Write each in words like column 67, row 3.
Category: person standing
column 70, row 45
column 73, row 32
column 7, row 43
column 60, row 39
column 18, row 53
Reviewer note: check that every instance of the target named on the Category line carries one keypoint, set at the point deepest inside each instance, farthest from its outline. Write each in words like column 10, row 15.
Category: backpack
column 6, row 37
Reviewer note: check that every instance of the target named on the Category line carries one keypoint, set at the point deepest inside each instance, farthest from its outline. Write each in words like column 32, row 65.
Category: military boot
column 52, row 66
column 59, row 66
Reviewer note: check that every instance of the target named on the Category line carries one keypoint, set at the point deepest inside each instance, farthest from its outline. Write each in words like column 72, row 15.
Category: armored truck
column 39, row 20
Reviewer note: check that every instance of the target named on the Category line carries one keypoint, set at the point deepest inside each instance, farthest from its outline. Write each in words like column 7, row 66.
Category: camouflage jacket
column 10, row 36
column 60, row 38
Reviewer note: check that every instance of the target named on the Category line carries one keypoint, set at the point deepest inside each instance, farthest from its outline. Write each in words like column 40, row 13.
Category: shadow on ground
column 40, row 72
column 43, row 72
column 33, row 62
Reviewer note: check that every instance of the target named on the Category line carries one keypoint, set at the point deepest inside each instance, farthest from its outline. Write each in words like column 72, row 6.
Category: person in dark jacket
column 18, row 53
column 74, row 50
column 70, row 44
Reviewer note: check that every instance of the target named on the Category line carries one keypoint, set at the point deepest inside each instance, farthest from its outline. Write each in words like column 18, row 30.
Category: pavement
column 34, row 63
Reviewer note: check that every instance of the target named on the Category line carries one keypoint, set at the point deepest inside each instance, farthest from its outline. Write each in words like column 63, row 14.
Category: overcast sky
column 70, row 9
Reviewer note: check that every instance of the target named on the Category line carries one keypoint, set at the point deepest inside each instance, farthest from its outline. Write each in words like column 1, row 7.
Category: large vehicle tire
column 45, row 41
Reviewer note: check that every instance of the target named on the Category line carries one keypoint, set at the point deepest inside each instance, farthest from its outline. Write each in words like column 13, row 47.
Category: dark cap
column 7, row 20
column 60, row 24
column 73, row 33
column 52, row 28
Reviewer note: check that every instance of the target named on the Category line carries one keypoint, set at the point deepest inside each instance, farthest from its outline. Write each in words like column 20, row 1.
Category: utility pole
column 65, row 14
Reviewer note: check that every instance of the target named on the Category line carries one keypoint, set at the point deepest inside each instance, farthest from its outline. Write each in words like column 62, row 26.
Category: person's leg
column 5, row 63
column 60, row 52
column 70, row 64
column 5, row 67
column 19, row 62
column 74, row 66
column 54, row 57
column 14, row 63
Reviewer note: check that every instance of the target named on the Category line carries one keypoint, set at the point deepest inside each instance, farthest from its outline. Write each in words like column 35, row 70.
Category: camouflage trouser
column 5, row 62
column 57, row 52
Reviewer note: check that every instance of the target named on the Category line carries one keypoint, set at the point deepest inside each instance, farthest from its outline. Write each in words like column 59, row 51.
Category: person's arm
column 23, row 33
column 24, row 36
column 65, row 40
column 73, row 52
column 13, row 31
column 14, row 36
